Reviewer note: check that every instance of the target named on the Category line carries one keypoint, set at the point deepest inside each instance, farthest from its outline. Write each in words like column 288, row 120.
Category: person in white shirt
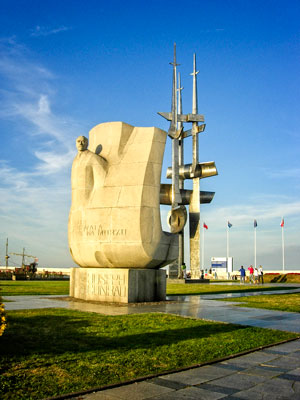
column 260, row 275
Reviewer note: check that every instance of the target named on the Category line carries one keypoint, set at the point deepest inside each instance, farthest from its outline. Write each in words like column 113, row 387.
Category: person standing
column 251, row 270
column 255, row 276
column 261, row 275
column 243, row 274
column 183, row 268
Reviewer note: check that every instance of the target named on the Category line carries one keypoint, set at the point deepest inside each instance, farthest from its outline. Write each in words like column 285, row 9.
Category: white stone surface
column 114, row 220
column 118, row 285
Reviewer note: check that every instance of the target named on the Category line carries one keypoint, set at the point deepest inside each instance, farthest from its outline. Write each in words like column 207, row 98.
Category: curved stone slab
column 114, row 220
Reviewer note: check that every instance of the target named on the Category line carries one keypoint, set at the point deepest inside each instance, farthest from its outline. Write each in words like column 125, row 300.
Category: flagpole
column 227, row 242
column 282, row 242
column 203, row 248
column 254, row 247
column 229, row 225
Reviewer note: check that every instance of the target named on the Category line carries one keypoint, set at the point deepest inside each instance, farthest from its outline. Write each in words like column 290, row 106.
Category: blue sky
column 66, row 66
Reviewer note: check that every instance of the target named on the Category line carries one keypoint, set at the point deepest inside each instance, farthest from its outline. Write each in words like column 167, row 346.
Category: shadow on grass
column 279, row 279
column 58, row 334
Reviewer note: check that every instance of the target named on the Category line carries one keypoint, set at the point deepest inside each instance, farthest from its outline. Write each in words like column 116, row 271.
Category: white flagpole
column 203, row 248
column 254, row 247
column 282, row 241
column 227, row 241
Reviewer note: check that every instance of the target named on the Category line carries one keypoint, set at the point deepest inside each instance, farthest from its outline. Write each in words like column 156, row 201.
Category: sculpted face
column 81, row 143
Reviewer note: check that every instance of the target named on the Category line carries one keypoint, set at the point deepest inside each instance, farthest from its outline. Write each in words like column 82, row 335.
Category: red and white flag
column 205, row 226
column 282, row 223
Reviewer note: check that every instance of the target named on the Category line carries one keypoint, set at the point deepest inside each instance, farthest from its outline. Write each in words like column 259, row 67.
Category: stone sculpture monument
column 115, row 232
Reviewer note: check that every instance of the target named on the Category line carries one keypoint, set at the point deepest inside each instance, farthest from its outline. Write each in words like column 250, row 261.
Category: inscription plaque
column 107, row 284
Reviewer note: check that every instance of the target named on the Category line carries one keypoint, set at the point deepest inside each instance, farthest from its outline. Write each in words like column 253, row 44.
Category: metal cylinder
column 166, row 195
column 185, row 171
column 177, row 219
column 203, row 170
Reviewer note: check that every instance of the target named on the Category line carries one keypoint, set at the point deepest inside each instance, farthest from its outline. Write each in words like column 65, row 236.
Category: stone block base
column 118, row 285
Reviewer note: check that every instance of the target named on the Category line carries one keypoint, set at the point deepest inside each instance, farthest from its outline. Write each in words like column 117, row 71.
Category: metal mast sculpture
column 175, row 194
column 181, row 181
column 194, row 209
column 175, row 133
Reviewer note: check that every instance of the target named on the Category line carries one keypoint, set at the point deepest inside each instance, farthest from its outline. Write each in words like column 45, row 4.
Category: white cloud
column 52, row 163
column 266, row 209
column 45, row 31
column 35, row 197
column 26, row 97
column 214, row 30
column 44, row 107
column 284, row 173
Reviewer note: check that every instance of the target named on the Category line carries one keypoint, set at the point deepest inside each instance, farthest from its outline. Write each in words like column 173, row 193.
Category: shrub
column 2, row 318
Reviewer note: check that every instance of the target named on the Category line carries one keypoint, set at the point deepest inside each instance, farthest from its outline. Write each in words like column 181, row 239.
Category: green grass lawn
column 210, row 288
column 19, row 288
column 55, row 351
column 22, row 288
column 280, row 302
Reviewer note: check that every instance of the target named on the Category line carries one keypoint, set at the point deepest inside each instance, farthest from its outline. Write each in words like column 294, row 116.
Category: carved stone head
column 82, row 143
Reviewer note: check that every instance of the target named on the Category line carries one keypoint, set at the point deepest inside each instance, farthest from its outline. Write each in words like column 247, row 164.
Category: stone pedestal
column 118, row 285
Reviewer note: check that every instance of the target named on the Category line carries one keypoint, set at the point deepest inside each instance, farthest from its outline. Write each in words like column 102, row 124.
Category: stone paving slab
column 239, row 381
column 286, row 362
column 291, row 377
column 219, row 389
column 295, row 372
column 168, row 383
column 136, row 391
column 275, row 387
column 293, row 346
column 199, row 375
column 191, row 393
column 98, row 396
column 258, row 357
column 257, row 371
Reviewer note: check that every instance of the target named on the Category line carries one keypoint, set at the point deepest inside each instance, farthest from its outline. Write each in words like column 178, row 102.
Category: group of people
column 256, row 275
